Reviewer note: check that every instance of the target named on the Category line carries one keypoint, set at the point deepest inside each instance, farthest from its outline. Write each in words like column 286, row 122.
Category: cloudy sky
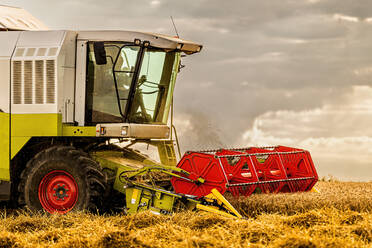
column 290, row 72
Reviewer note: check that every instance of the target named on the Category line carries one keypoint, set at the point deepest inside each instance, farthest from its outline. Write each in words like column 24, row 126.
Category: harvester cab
column 68, row 94
column 126, row 86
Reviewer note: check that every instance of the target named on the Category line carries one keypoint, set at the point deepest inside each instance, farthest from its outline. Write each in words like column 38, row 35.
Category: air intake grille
column 50, row 80
column 39, row 81
column 34, row 82
column 17, row 82
column 27, row 86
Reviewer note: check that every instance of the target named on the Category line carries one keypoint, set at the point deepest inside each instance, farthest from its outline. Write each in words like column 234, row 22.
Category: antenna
column 175, row 28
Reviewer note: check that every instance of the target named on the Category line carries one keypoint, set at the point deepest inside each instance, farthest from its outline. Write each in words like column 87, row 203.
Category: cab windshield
column 134, row 86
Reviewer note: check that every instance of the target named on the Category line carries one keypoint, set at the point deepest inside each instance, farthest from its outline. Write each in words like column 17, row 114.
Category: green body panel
column 101, row 158
column 17, row 144
column 46, row 125
column 26, row 126
column 36, row 125
column 4, row 145
column 141, row 199
column 107, row 159
column 166, row 152
column 118, row 184
column 73, row 131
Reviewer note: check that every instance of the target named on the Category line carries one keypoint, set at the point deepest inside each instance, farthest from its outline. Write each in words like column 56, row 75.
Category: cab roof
column 156, row 40
column 18, row 19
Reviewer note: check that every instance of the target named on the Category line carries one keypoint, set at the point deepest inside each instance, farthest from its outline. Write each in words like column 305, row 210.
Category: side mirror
column 100, row 53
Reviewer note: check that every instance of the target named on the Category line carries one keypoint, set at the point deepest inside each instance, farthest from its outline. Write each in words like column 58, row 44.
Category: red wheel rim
column 58, row 192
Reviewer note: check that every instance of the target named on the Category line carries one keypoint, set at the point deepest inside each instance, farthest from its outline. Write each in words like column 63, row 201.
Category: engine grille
column 34, row 78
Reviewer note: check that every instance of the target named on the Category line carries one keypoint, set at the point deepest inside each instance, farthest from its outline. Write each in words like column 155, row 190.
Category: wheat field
column 339, row 216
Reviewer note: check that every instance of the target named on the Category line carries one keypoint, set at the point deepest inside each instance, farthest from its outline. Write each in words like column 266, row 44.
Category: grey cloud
column 307, row 27
column 361, row 9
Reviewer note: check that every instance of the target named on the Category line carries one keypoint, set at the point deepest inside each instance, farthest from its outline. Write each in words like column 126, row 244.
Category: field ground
column 339, row 216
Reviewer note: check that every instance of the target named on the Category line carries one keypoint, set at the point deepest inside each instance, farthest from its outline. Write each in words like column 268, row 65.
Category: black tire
column 86, row 174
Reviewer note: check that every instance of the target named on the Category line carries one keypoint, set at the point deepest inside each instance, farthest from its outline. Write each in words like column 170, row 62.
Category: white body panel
column 8, row 40
column 41, row 39
column 81, row 68
column 43, row 73
column 131, row 130
column 66, row 77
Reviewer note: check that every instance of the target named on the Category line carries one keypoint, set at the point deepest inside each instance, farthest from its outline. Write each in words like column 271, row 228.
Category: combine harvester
column 67, row 94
